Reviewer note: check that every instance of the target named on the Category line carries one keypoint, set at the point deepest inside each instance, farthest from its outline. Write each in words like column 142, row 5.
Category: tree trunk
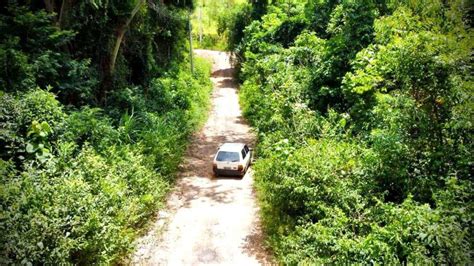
column 121, row 29
column 190, row 44
column 49, row 5
column 108, row 64
column 200, row 25
column 64, row 13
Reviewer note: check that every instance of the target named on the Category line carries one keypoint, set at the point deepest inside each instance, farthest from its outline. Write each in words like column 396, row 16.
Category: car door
column 246, row 157
column 250, row 154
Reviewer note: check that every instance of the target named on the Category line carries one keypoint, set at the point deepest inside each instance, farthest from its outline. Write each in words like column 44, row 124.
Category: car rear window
column 227, row 156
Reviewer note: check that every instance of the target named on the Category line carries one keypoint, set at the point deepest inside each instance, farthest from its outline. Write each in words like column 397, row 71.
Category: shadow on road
column 214, row 220
column 226, row 72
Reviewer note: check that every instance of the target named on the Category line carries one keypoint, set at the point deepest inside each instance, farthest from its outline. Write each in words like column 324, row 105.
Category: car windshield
column 227, row 156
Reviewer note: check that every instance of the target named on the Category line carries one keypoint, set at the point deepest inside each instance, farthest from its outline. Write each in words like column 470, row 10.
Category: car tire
column 245, row 172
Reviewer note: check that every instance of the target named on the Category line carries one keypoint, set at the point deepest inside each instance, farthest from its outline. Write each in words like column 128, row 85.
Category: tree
column 110, row 62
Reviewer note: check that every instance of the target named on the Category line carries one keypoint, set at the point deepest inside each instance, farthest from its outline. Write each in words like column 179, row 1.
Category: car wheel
column 245, row 171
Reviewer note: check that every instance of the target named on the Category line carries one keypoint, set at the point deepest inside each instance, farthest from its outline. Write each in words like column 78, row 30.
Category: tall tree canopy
column 113, row 42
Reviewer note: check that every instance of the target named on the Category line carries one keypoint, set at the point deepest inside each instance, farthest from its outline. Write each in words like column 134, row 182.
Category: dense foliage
column 364, row 111
column 88, row 149
column 207, row 21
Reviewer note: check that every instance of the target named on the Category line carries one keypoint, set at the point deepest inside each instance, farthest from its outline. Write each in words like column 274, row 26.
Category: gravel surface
column 209, row 220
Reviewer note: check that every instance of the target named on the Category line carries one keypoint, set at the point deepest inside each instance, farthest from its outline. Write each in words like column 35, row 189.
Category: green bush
column 92, row 181
column 92, row 126
column 409, row 233
column 363, row 112
column 79, row 208
column 91, row 137
column 18, row 113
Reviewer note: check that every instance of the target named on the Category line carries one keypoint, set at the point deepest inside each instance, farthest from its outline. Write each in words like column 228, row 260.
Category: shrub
column 78, row 210
column 306, row 184
column 91, row 181
column 89, row 148
column 18, row 113
column 364, row 129
column 91, row 125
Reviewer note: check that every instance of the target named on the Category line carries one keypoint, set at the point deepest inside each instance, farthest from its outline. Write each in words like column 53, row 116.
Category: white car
column 232, row 159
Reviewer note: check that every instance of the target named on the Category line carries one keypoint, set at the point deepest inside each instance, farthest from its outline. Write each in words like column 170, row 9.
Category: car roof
column 231, row 146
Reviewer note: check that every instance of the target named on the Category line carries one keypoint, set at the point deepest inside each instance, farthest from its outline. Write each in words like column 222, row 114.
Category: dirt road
column 209, row 220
